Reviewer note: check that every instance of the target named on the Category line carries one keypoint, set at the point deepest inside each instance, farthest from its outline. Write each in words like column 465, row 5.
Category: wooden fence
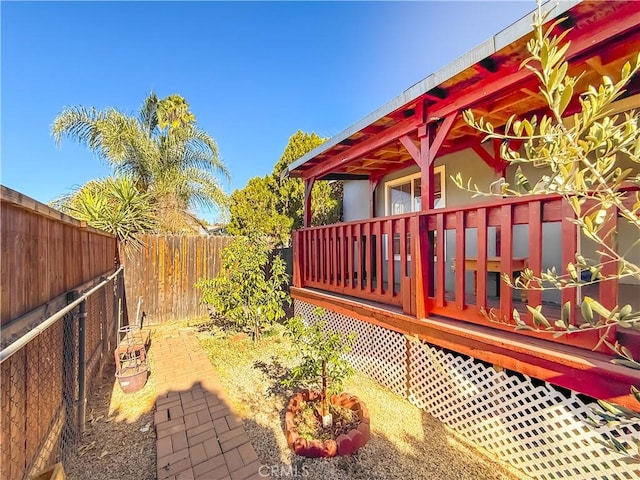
column 45, row 254
column 163, row 275
column 47, row 259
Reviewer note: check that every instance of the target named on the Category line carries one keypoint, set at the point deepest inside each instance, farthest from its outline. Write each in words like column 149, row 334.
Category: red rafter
column 362, row 148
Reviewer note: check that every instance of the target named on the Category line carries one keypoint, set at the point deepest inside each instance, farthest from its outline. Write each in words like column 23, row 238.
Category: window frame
column 439, row 170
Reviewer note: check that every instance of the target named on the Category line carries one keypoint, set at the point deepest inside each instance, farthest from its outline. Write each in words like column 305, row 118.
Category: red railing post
column 506, row 262
column 440, row 269
column 391, row 280
column 460, row 260
column 297, row 260
column 419, row 240
column 534, row 297
column 569, row 235
column 608, row 289
column 481, row 274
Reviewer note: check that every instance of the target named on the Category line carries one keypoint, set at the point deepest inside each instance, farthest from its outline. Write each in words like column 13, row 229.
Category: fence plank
column 164, row 274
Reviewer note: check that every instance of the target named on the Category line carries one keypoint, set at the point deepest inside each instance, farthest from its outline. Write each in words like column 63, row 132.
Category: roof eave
column 515, row 31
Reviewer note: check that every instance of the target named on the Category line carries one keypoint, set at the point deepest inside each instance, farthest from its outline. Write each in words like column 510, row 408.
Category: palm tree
column 161, row 149
column 112, row 204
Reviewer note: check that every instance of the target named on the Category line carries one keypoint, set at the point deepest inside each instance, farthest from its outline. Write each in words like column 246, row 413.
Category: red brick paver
column 198, row 435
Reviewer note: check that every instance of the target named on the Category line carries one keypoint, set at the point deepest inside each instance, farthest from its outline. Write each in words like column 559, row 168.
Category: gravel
column 406, row 443
column 119, row 440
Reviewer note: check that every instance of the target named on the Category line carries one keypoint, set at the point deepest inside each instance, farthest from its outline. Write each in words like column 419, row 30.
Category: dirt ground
column 119, row 441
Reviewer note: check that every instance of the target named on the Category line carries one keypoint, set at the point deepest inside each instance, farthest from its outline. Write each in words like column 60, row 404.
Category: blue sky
column 252, row 72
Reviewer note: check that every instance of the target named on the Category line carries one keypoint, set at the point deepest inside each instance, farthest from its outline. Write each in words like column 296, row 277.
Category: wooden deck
column 575, row 368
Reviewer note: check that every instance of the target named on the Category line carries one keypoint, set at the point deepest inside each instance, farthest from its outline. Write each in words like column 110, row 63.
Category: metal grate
column 538, row 429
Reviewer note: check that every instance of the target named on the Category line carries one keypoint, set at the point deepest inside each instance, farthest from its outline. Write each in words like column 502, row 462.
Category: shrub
column 250, row 290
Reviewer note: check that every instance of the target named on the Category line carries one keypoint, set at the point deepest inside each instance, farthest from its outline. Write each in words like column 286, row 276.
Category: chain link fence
column 48, row 374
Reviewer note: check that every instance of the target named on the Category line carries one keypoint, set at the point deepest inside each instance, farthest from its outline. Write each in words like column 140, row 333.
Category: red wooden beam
column 426, row 133
column 608, row 289
column 373, row 183
column 411, row 148
column 306, row 214
column 569, row 236
column 296, row 259
column 370, row 144
column 418, row 244
column 481, row 253
column 460, row 285
column 440, row 271
column 506, row 262
column 535, row 250
column 486, row 156
column 441, row 134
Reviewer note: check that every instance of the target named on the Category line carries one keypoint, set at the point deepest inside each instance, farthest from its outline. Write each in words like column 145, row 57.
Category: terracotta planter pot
column 345, row 444
column 132, row 379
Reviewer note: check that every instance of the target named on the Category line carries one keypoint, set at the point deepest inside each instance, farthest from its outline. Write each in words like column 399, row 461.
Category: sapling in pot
column 323, row 366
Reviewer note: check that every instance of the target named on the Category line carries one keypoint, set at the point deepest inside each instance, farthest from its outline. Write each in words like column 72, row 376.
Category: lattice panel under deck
column 378, row 353
column 535, row 428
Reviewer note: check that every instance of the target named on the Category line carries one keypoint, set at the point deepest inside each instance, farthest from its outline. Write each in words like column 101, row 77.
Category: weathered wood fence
column 47, row 260
column 45, row 254
column 163, row 275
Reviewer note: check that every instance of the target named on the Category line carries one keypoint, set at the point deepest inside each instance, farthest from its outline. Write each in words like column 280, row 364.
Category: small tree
column 250, row 288
column 323, row 366
column 583, row 155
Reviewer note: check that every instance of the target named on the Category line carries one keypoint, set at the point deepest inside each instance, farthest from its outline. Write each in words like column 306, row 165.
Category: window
column 404, row 194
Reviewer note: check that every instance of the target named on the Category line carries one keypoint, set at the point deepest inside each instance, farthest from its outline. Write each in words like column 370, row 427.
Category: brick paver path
column 198, row 436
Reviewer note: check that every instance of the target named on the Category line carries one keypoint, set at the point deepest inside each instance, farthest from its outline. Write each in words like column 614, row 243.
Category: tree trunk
column 323, row 397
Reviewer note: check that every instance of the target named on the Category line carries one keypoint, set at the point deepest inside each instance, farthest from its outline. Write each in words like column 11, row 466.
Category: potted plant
column 316, row 424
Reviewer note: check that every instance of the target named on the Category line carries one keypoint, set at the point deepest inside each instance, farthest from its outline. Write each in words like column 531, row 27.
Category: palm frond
column 148, row 115
column 161, row 152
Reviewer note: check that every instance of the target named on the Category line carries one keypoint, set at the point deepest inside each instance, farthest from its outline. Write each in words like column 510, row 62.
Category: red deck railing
column 478, row 220
column 395, row 261
column 369, row 259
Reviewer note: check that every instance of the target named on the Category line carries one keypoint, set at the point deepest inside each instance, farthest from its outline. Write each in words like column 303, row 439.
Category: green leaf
column 516, row 317
column 565, row 314
column 609, row 407
column 626, row 363
column 619, row 446
column 538, row 318
column 587, row 312
column 565, row 98
column 597, row 307
column 625, row 312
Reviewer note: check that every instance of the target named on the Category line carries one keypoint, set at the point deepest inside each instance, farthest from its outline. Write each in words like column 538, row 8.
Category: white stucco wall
column 356, row 200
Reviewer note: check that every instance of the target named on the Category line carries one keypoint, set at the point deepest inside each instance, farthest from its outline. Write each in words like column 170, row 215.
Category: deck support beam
column 373, row 184
column 495, row 162
column 431, row 137
column 306, row 215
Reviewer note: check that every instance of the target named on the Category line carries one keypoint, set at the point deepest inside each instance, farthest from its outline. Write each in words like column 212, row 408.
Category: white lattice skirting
column 535, row 428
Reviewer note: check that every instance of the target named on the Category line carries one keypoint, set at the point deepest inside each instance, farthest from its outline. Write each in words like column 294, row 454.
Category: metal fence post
column 68, row 375
column 82, row 366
